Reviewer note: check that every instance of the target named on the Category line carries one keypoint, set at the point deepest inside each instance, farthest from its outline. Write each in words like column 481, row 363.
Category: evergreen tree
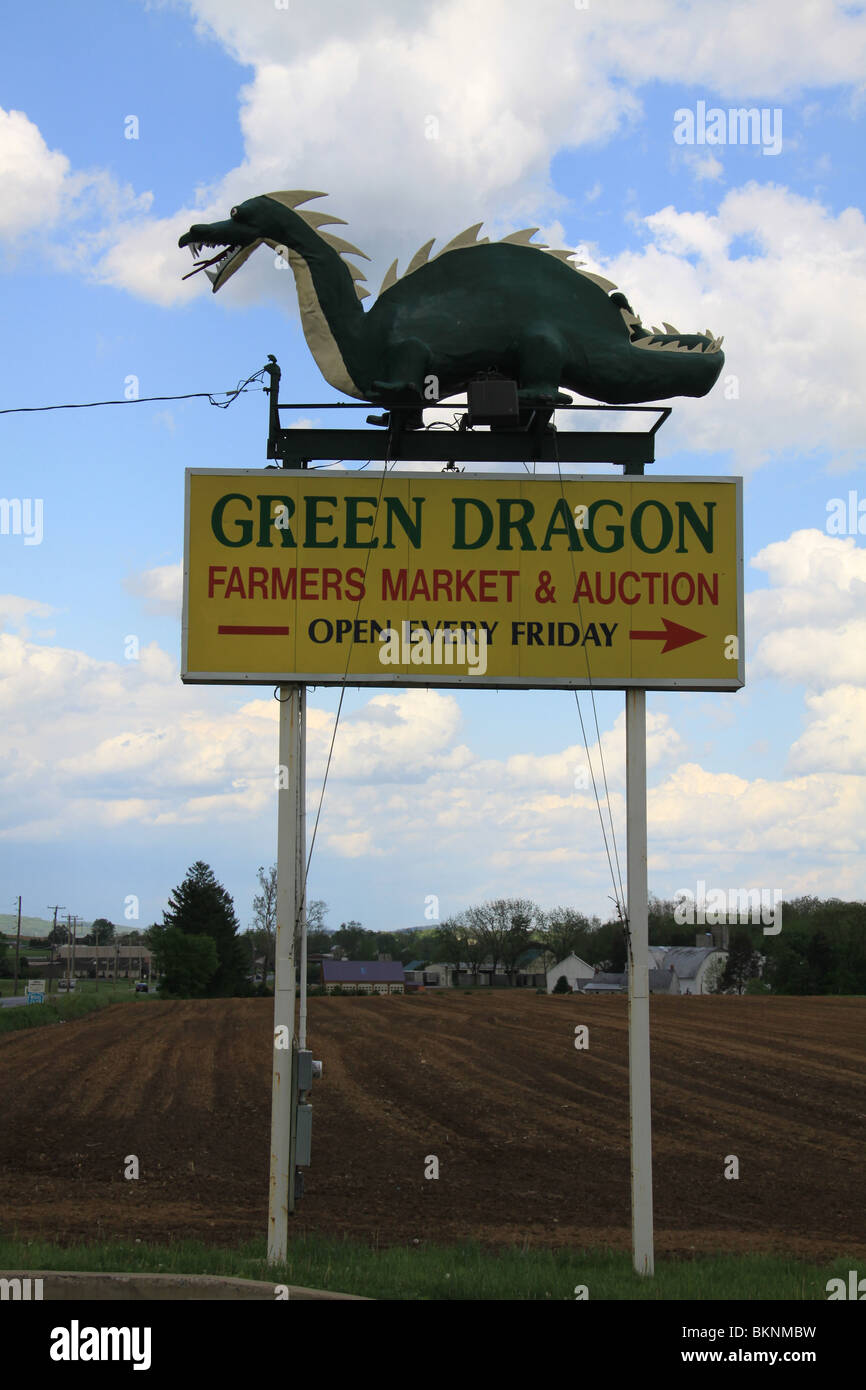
column 186, row 963
column 741, row 965
column 202, row 907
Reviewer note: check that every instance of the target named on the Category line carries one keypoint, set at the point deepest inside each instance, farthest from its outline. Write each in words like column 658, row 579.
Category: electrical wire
column 303, row 895
column 239, row 390
column 618, row 892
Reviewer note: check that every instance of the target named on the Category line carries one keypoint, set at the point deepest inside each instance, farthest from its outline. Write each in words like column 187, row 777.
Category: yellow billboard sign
column 453, row 579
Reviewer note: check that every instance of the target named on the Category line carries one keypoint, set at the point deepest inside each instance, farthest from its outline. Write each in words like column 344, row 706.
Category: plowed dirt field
column 531, row 1134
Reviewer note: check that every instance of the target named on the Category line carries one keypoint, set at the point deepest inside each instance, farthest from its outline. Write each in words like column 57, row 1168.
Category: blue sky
column 116, row 777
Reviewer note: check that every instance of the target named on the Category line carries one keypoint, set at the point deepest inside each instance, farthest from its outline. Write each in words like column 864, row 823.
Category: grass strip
column 464, row 1272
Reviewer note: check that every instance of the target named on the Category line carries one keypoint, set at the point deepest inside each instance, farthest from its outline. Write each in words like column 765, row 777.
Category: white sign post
column 289, row 886
column 640, row 1113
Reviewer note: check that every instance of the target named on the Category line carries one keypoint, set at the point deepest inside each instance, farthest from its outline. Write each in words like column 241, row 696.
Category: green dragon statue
column 511, row 307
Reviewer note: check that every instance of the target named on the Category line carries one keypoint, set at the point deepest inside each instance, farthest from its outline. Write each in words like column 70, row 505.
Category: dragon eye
column 234, row 212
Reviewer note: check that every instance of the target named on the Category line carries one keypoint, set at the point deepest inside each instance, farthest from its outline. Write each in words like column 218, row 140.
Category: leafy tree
column 565, row 930
column 664, row 929
column 503, row 928
column 715, row 975
column 757, row 986
column 188, row 963
column 58, row 936
column 265, row 917
column 102, row 932
column 820, row 954
column 609, row 950
column 456, row 941
column 787, row 969
column 358, row 943
column 317, row 910
column 202, row 907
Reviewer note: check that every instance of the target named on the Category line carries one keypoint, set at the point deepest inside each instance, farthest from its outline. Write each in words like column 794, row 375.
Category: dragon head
column 665, row 362
column 248, row 226
column 237, row 237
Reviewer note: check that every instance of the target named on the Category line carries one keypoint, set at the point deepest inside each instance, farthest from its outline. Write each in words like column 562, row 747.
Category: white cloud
column 14, row 610
column 461, row 108
column 809, row 627
column 835, row 739
column 161, row 588
column 33, row 177
column 129, row 746
column 40, row 191
column 703, row 166
column 421, row 120
column 788, row 311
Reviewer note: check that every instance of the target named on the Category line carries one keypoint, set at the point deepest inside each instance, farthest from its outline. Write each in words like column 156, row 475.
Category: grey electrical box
column 493, row 402
column 305, row 1071
column 304, row 1136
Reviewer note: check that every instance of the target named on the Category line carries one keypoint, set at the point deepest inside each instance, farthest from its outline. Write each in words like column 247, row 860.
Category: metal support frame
column 402, row 436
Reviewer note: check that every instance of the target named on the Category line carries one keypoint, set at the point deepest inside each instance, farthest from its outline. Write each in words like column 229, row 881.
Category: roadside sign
column 35, row 991
column 432, row 579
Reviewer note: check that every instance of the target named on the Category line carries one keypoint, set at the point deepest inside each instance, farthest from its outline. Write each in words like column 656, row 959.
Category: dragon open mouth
column 218, row 268
column 669, row 340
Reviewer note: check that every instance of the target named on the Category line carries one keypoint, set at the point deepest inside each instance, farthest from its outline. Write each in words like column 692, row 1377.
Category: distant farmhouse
column 363, row 976
column 106, row 961
column 673, row 970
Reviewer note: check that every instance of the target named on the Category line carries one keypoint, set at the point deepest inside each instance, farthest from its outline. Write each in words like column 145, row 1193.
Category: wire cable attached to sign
column 303, row 896
column 239, row 390
column 620, row 899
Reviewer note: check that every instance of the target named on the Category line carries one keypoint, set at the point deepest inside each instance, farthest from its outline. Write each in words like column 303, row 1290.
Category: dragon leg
column 407, row 365
column 541, row 355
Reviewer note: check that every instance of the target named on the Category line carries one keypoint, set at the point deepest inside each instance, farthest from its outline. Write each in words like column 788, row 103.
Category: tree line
column 199, row 948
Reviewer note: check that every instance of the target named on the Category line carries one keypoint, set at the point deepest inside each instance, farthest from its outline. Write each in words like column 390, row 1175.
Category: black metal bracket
column 402, row 436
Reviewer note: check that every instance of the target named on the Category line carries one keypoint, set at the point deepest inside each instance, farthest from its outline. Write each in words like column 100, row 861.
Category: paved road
column 13, row 1000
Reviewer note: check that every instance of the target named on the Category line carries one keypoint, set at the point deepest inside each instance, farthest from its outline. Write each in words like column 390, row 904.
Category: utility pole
column 17, row 946
column 68, row 940
column 57, row 908
column 70, row 959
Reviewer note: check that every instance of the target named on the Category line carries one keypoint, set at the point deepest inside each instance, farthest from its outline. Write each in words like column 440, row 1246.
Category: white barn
column 690, row 966
column 573, row 968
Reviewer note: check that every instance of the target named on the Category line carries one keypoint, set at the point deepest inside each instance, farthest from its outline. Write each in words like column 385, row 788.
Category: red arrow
column 674, row 635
